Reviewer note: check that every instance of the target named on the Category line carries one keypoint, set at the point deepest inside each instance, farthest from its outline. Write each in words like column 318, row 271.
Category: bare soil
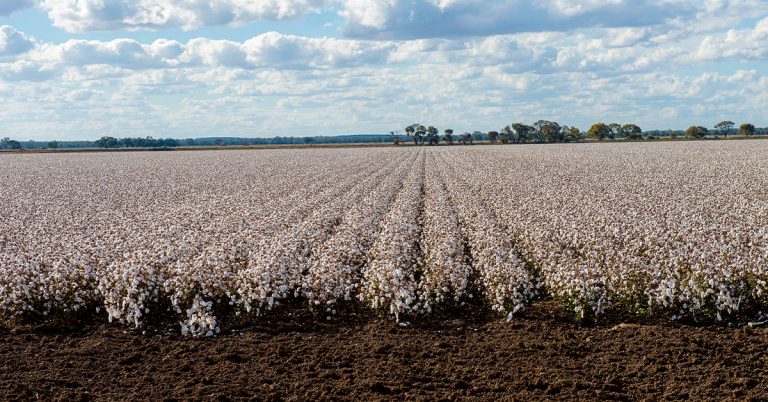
column 542, row 355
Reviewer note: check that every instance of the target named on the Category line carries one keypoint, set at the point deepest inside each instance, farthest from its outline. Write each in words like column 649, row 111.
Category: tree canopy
column 599, row 131
column 747, row 129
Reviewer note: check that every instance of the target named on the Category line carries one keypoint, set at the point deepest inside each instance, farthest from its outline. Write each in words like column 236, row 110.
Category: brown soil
column 540, row 356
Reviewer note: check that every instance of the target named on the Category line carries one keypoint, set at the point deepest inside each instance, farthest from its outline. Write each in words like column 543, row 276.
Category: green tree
column 549, row 131
column 53, row 144
column 631, row 131
column 523, row 132
column 725, row 127
column 417, row 132
column 572, row 134
column 449, row 135
column 492, row 136
column 4, row 142
column 13, row 144
column 696, row 132
column 308, row 140
column 506, row 135
column 615, row 130
column 599, row 131
column 432, row 135
column 747, row 129
column 107, row 142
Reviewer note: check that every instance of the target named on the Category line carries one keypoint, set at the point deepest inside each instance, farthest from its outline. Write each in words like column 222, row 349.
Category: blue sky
column 80, row 69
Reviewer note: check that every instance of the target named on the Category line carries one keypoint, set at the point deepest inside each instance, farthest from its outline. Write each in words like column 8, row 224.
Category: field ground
column 612, row 271
column 539, row 356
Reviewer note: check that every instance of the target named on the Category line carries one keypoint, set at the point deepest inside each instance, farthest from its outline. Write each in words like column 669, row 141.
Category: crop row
column 678, row 230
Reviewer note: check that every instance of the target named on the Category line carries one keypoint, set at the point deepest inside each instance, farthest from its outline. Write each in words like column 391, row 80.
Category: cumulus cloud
column 25, row 70
column 398, row 19
column 7, row 7
column 13, row 42
column 290, row 51
column 88, row 15
column 746, row 44
column 268, row 50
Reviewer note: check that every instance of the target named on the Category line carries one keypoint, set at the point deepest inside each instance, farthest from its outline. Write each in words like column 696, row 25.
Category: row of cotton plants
column 390, row 278
column 447, row 272
column 654, row 229
column 508, row 286
column 335, row 269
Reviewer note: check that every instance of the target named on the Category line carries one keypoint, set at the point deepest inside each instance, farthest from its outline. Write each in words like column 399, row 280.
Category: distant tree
column 417, row 131
column 432, row 135
column 549, row 131
column 411, row 130
column 572, row 134
column 466, row 138
column 13, row 144
column 476, row 136
column 599, row 131
column 4, row 142
column 107, row 142
column 219, row 142
column 506, row 135
column 53, row 144
column 631, row 131
column 615, row 130
column 308, row 140
column 747, row 129
column 492, row 136
column 523, row 132
column 696, row 132
column 189, row 142
column 449, row 135
column 725, row 127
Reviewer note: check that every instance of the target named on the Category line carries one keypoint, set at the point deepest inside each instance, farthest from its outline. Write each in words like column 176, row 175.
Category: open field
column 463, row 271
column 201, row 237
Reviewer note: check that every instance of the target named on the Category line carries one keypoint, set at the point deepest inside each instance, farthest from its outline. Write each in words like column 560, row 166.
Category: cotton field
column 677, row 230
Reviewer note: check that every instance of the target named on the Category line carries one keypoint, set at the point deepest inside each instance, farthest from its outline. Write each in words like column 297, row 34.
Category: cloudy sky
column 80, row 69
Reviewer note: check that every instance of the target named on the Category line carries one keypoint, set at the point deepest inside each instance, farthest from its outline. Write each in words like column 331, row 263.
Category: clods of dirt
column 534, row 357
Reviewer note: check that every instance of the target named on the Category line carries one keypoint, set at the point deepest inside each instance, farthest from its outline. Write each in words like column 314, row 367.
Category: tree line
column 542, row 131
column 545, row 131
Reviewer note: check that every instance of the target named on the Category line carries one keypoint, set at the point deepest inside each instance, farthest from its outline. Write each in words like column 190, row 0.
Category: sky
column 82, row 69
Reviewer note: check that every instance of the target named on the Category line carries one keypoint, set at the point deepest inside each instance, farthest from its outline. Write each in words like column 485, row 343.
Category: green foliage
column 449, row 135
column 524, row 132
column 747, row 129
column 550, row 131
column 696, row 132
column 631, row 131
column 492, row 136
column 572, row 134
column 725, row 127
column 599, row 131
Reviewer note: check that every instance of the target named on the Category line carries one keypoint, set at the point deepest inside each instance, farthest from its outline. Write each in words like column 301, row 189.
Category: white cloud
column 13, row 42
column 89, row 15
column 745, row 44
column 432, row 18
column 25, row 70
